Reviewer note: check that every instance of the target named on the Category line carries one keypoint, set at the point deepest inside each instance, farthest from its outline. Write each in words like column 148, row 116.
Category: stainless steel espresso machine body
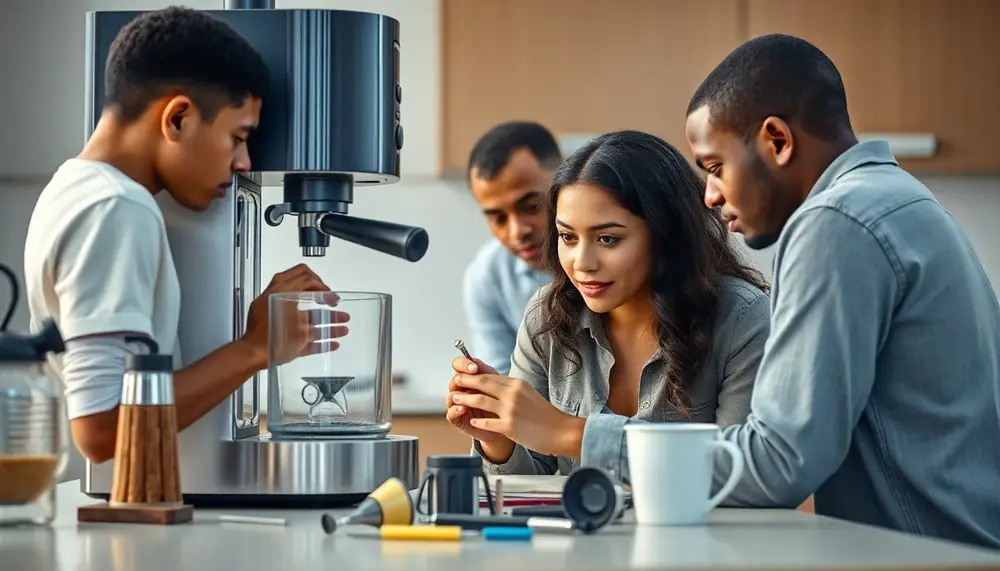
column 330, row 123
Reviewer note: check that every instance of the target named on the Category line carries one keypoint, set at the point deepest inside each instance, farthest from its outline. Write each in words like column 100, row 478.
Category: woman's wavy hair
column 691, row 249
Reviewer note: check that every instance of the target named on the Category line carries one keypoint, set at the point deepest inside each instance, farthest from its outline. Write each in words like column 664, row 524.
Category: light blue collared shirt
column 879, row 389
column 495, row 293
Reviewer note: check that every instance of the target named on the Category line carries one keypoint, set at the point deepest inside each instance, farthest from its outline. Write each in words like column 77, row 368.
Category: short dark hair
column 775, row 75
column 492, row 151
column 181, row 48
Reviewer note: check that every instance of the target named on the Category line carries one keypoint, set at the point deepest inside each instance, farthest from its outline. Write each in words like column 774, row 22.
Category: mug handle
column 489, row 495
column 734, row 475
column 428, row 477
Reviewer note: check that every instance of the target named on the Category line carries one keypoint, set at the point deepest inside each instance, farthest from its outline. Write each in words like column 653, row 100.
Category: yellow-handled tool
column 413, row 532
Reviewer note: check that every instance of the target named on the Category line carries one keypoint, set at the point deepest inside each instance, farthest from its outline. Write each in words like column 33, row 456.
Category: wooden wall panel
column 908, row 66
column 577, row 66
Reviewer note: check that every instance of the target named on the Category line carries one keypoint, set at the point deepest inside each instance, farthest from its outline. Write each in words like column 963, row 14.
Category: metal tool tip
column 329, row 524
column 459, row 344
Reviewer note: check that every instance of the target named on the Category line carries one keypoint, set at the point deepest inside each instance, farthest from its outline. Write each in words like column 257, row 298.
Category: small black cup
column 450, row 482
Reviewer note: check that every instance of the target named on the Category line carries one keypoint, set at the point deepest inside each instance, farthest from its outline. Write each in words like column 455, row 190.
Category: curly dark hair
column 691, row 249
column 181, row 49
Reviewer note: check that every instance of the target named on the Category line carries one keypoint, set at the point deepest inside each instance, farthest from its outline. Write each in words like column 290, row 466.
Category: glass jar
column 34, row 430
column 329, row 365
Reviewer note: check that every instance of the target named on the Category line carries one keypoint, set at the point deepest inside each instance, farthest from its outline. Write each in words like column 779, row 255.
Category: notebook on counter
column 532, row 490
column 528, row 486
column 526, row 490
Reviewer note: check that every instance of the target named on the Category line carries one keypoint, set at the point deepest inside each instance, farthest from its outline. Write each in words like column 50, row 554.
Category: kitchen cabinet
column 577, row 66
column 909, row 66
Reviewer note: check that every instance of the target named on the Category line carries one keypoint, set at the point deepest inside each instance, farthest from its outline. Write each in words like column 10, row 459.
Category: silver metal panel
column 205, row 250
column 264, row 467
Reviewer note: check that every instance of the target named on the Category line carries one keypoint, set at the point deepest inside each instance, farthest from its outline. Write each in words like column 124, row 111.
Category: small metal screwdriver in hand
column 461, row 347
column 465, row 352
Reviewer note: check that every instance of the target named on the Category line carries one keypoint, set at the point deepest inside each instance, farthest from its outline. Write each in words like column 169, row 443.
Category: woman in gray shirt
column 652, row 316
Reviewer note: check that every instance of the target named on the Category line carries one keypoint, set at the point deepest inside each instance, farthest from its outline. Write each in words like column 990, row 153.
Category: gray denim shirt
column 719, row 394
column 879, row 390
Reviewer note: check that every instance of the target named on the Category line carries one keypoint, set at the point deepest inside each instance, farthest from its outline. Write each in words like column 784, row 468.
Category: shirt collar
column 521, row 267
column 593, row 324
column 861, row 154
column 523, row 270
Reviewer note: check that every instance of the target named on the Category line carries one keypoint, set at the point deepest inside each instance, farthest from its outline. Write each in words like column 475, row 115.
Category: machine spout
column 406, row 242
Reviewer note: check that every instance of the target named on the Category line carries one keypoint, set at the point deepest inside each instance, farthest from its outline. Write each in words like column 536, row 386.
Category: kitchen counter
column 734, row 539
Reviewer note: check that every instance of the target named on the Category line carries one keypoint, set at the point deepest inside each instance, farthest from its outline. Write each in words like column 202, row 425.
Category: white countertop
column 733, row 539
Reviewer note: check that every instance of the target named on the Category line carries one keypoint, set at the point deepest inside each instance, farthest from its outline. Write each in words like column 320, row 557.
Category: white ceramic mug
column 670, row 467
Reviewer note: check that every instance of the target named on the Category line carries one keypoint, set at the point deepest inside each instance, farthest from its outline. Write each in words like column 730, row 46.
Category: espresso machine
column 330, row 124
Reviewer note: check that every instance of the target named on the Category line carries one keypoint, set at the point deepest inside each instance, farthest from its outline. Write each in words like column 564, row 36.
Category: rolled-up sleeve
column 835, row 287
column 604, row 443
column 529, row 365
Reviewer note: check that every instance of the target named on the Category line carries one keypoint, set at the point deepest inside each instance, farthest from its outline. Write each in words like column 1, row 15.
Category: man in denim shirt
column 509, row 171
column 879, row 388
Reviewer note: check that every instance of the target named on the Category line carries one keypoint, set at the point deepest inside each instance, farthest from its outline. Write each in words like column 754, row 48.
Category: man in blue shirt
column 509, row 170
column 879, row 388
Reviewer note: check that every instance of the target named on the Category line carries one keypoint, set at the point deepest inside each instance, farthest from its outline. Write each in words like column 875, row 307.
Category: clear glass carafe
column 34, row 430
column 329, row 366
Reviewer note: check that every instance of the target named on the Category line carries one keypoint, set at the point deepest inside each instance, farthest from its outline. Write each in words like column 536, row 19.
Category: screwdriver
column 441, row 533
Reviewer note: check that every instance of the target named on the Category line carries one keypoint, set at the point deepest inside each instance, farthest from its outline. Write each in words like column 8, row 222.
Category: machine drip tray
column 261, row 472
column 324, row 431
column 279, row 501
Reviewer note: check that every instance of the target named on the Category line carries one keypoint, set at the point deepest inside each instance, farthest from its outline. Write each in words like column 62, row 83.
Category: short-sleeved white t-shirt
column 97, row 261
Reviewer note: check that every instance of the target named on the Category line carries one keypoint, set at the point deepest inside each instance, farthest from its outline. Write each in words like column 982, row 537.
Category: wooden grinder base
column 160, row 515
column 146, row 485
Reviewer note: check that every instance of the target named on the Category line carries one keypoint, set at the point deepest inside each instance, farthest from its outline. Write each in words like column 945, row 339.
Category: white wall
column 34, row 66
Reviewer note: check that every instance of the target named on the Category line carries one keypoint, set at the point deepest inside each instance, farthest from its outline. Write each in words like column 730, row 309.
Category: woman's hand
column 516, row 411
column 496, row 447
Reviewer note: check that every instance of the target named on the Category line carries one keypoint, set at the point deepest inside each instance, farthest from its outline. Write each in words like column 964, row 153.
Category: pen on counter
column 250, row 519
column 539, row 511
column 479, row 522
column 515, row 501
column 498, row 497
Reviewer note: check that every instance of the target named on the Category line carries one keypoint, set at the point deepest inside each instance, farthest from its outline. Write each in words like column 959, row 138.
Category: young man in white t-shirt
column 183, row 93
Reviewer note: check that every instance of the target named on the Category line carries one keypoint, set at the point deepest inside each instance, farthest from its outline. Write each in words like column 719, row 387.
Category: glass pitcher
column 34, row 430
column 329, row 365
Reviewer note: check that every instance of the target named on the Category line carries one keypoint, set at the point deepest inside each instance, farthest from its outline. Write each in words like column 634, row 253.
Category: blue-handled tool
column 508, row 533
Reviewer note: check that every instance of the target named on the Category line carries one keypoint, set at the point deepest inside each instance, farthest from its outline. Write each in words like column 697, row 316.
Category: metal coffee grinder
column 330, row 123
